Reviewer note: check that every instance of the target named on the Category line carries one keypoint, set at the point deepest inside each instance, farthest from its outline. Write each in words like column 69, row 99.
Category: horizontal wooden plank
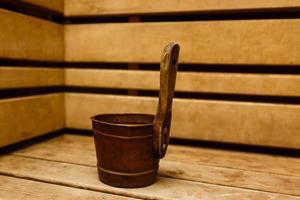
column 234, row 83
column 55, row 5
column 86, row 177
column 16, row 188
column 117, row 7
column 80, row 150
column 26, row 117
column 222, row 42
column 26, row 37
column 224, row 121
column 281, row 165
column 21, row 77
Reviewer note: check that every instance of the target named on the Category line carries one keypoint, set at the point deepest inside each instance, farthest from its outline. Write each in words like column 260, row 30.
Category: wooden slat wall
column 260, row 45
column 119, row 7
column 55, row 5
column 23, row 77
column 228, row 83
column 26, row 37
column 239, row 42
column 25, row 117
column 224, row 121
column 214, row 42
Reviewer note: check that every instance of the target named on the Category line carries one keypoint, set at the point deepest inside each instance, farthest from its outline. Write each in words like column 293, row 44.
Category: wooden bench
column 238, row 84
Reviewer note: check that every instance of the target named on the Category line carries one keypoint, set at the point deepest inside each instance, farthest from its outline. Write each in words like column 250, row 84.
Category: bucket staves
column 129, row 146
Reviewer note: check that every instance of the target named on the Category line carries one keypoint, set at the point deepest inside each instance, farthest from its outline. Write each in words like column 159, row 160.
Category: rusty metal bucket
column 129, row 146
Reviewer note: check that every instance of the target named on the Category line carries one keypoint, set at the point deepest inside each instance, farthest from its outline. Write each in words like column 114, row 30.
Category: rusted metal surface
column 129, row 146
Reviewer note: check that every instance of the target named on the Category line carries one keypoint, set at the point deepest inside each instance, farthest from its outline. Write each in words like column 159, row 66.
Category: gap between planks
column 79, row 150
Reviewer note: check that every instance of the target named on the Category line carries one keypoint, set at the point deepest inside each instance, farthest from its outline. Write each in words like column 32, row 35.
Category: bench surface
column 64, row 167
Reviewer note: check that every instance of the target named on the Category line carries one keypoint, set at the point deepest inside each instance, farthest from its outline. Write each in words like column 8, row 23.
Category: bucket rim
column 93, row 118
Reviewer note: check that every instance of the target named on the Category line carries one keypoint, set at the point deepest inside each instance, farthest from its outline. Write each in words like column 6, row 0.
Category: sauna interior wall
column 238, row 81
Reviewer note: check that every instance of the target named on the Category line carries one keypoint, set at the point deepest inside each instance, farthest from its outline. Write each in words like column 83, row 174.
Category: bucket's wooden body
column 124, row 147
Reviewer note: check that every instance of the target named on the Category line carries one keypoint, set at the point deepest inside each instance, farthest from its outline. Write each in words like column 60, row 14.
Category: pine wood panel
column 117, row 7
column 26, row 117
column 222, row 42
column 56, row 5
column 26, row 37
column 16, row 188
column 242, row 161
column 21, row 77
column 86, row 177
column 225, row 121
column 261, row 84
column 80, row 150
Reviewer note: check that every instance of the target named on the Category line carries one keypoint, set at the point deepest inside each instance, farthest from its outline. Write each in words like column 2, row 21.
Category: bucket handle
column 162, row 120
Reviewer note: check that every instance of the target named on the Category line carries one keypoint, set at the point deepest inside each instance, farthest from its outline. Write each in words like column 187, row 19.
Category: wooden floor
column 64, row 167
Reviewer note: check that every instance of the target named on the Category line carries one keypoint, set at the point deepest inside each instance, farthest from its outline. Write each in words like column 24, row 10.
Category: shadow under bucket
column 129, row 146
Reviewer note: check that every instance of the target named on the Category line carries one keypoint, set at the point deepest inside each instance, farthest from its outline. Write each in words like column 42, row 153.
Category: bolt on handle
column 163, row 117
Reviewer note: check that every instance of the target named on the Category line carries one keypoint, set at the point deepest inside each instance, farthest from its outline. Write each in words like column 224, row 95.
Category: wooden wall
column 26, row 108
column 238, row 79
column 239, row 74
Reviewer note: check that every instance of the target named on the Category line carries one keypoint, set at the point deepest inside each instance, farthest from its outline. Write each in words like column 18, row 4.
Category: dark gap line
column 192, row 95
column 32, row 10
column 244, row 14
column 28, row 142
column 201, row 67
column 24, row 92
column 279, row 151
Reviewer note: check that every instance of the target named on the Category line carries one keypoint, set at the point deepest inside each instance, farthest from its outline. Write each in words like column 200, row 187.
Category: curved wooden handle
column 162, row 121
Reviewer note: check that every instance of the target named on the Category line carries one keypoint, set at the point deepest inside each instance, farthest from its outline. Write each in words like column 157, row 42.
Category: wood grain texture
column 55, row 5
column 16, row 188
column 222, row 42
column 238, row 122
column 117, row 7
column 243, row 161
column 232, row 83
column 86, row 177
column 187, row 164
column 22, row 77
column 26, row 37
column 25, row 117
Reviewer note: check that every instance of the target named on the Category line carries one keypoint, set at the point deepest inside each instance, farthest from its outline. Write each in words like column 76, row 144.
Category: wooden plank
column 80, row 150
column 222, row 42
column 16, row 188
column 22, row 77
column 225, row 121
column 118, row 7
column 26, row 117
column 26, row 37
column 234, row 83
column 55, row 5
column 86, row 177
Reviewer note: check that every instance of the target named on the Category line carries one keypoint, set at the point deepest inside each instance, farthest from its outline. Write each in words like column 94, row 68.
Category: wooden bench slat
column 232, row 83
column 225, row 121
column 17, row 188
column 56, row 5
column 117, row 7
column 281, row 165
column 86, row 177
column 30, row 38
column 221, row 42
column 21, row 77
column 260, row 176
column 25, row 117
